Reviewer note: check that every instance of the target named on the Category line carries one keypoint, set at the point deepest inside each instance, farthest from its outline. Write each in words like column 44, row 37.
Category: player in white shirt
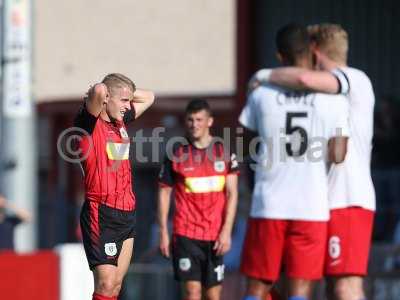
column 289, row 212
column 351, row 191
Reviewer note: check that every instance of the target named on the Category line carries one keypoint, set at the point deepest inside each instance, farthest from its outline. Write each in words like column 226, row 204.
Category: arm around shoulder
column 304, row 79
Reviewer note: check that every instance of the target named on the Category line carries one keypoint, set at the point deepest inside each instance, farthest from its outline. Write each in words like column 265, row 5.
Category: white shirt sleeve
column 260, row 77
column 343, row 80
column 263, row 75
column 248, row 116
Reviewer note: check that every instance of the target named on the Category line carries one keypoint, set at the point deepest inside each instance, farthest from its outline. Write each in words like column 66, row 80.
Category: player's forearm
column 143, row 96
column 142, row 100
column 96, row 98
column 164, row 199
column 303, row 79
column 289, row 77
column 231, row 206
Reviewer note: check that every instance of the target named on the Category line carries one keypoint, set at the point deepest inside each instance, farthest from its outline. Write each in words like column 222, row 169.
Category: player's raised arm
column 97, row 97
column 301, row 79
column 142, row 100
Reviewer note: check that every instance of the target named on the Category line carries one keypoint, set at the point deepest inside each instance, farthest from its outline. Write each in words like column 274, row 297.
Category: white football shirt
column 350, row 183
column 290, row 172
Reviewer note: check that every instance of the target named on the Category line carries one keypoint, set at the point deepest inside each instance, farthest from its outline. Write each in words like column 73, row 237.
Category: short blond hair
column 117, row 80
column 332, row 40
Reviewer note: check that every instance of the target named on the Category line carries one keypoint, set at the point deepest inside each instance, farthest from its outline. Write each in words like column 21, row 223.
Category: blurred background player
column 204, row 177
column 10, row 217
column 289, row 212
column 351, row 191
column 108, row 214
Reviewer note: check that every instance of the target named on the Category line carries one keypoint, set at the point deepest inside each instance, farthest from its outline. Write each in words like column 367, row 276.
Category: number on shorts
column 334, row 247
column 220, row 270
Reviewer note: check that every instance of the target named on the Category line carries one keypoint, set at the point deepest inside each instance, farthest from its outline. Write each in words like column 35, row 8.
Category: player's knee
column 349, row 289
column 342, row 290
column 117, row 289
column 107, row 286
column 193, row 294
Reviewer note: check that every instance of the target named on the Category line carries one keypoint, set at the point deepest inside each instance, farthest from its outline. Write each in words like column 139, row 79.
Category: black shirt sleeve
column 14, row 220
column 85, row 120
column 130, row 115
column 166, row 175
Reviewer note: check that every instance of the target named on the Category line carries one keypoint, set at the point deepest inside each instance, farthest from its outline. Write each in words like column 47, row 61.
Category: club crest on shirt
column 110, row 249
column 123, row 133
column 219, row 166
column 184, row 264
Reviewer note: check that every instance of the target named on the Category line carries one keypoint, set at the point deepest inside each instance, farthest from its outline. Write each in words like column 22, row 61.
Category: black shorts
column 104, row 229
column 196, row 260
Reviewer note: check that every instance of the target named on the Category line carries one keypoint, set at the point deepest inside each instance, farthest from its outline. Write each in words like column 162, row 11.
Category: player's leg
column 347, row 288
column 300, row 288
column 274, row 295
column 349, row 240
column 257, row 289
column 103, row 267
column 124, row 261
column 306, row 245
column 213, row 272
column 108, row 277
column 110, row 237
column 213, row 293
column 186, row 260
column 191, row 290
column 262, row 255
column 105, row 282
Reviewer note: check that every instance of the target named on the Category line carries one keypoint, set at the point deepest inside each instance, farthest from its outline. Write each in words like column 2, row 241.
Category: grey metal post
column 18, row 130
column 1, row 83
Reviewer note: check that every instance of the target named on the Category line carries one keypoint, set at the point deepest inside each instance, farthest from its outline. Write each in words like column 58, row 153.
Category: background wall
column 174, row 47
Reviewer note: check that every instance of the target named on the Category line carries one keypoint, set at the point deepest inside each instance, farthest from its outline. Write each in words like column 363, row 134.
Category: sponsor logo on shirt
column 117, row 151
column 204, row 184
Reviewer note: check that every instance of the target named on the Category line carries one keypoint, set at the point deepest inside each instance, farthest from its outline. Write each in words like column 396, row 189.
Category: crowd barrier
column 63, row 274
column 29, row 276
